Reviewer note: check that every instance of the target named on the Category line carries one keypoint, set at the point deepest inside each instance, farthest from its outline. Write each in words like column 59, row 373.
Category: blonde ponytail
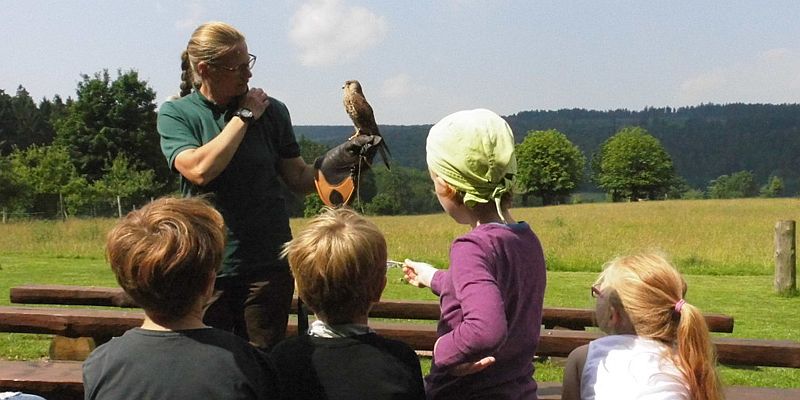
column 695, row 354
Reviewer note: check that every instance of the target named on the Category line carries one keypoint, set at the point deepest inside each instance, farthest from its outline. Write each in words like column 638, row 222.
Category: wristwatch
column 245, row 114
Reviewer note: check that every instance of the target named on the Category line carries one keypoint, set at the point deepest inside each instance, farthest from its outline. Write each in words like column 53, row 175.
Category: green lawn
column 746, row 298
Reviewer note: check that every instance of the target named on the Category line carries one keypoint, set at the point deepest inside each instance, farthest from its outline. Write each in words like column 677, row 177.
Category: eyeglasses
column 596, row 293
column 241, row 68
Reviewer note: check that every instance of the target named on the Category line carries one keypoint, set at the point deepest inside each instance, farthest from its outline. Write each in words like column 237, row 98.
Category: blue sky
column 421, row 60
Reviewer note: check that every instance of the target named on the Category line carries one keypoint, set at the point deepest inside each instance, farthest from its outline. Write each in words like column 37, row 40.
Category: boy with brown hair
column 166, row 256
column 339, row 266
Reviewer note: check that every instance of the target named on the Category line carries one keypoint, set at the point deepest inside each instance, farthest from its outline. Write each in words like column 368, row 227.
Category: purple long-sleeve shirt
column 491, row 299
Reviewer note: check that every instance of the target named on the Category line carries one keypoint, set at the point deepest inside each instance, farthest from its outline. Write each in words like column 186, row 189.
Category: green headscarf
column 473, row 151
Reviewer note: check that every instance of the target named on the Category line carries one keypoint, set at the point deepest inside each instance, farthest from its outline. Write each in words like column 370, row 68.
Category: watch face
column 245, row 113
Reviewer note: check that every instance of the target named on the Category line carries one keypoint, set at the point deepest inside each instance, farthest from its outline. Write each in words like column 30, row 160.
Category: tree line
column 99, row 154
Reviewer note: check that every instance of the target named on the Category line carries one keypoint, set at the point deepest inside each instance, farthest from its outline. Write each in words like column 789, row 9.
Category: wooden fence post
column 785, row 258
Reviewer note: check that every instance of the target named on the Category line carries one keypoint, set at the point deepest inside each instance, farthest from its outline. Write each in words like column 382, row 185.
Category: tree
column 30, row 126
column 49, row 172
column 680, row 189
column 735, row 186
column 51, row 111
column 21, row 122
column 122, row 180
column 402, row 191
column 312, row 205
column 6, row 124
column 633, row 165
column 13, row 192
column 549, row 165
column 112, row 118
column 310, row 149
column 773, row 188
column 384, row 204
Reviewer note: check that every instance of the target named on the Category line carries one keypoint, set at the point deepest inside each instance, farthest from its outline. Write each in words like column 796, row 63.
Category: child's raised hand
column 418, row 274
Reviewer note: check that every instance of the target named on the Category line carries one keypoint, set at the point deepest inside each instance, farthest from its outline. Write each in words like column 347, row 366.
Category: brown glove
column 339, row 170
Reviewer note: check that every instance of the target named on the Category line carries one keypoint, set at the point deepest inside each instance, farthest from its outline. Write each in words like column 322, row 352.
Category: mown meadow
column 725, row 248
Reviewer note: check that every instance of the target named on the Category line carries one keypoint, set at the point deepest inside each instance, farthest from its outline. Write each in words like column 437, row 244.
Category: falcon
column 361, row 113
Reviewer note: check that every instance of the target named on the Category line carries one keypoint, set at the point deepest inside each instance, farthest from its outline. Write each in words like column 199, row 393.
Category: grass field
column 725, row 249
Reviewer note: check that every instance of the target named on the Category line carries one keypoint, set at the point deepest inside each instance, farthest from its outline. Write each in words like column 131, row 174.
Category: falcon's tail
column 385, row 153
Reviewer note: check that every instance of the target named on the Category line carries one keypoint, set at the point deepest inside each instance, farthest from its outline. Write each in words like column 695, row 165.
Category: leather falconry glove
column 339, row 169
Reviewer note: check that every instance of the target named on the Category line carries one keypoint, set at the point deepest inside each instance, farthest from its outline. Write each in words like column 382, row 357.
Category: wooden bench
column 63, row 380
column 53, row 380
column 552, row 317
column 103, row 324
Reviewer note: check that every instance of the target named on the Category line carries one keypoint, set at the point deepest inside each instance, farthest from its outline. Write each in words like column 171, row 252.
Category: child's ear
column 613, row 317
column 379, row 290
column 209, row 292
column 620, row 322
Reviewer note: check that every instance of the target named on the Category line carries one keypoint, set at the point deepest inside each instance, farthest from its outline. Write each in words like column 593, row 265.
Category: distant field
column 710, row 237
column 724, row 247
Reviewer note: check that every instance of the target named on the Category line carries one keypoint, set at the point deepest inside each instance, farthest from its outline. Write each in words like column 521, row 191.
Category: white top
column 629, row 367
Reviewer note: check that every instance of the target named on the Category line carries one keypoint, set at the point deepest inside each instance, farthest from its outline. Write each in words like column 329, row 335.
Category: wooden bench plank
column 71, row 295
column 570, row 318
column 53, row 380
column 732, row 351
column 102, row 324
column 760, row 393
column 63, row 380
column 765, row 353
column 69, row 322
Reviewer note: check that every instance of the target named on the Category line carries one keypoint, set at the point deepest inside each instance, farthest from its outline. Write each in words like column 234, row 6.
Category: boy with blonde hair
column 339, row 265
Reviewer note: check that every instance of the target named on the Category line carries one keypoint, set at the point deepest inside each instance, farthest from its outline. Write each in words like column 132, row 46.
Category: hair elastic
column 679, row 305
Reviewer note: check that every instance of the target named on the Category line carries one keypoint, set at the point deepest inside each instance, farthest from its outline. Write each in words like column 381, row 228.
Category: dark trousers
column 257, row 311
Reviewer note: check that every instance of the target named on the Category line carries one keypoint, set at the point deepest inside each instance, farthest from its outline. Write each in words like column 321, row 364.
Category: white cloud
column 397, row 86
column 775, row 55
column 702, row 84
column 330, row 32
column 193, row 17
column 772, row 76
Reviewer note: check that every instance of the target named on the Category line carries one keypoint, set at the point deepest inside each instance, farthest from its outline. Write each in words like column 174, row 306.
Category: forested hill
column 705, row 141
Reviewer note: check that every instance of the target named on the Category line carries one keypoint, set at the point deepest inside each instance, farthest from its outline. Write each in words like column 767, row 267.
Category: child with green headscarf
column 492, row 294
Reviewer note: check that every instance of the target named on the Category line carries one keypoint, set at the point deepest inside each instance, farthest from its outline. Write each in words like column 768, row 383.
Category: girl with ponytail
column 658, row 345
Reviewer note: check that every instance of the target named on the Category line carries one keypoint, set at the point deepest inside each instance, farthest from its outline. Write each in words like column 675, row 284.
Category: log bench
column 103, row 324
column 552, row 317
column 63, row 380
column 53, row 380
column 57, row 380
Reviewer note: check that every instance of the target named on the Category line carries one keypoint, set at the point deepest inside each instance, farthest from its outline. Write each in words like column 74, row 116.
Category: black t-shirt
column 193, row 364
column 357, row 367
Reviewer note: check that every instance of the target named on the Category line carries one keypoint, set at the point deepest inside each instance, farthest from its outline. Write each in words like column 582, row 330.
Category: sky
column 419, row 61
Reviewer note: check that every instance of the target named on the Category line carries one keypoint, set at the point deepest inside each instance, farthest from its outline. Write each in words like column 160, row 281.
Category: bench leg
column 73, row 349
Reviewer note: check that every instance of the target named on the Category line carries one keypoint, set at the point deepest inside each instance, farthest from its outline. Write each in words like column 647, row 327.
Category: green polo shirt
column 248, row 192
